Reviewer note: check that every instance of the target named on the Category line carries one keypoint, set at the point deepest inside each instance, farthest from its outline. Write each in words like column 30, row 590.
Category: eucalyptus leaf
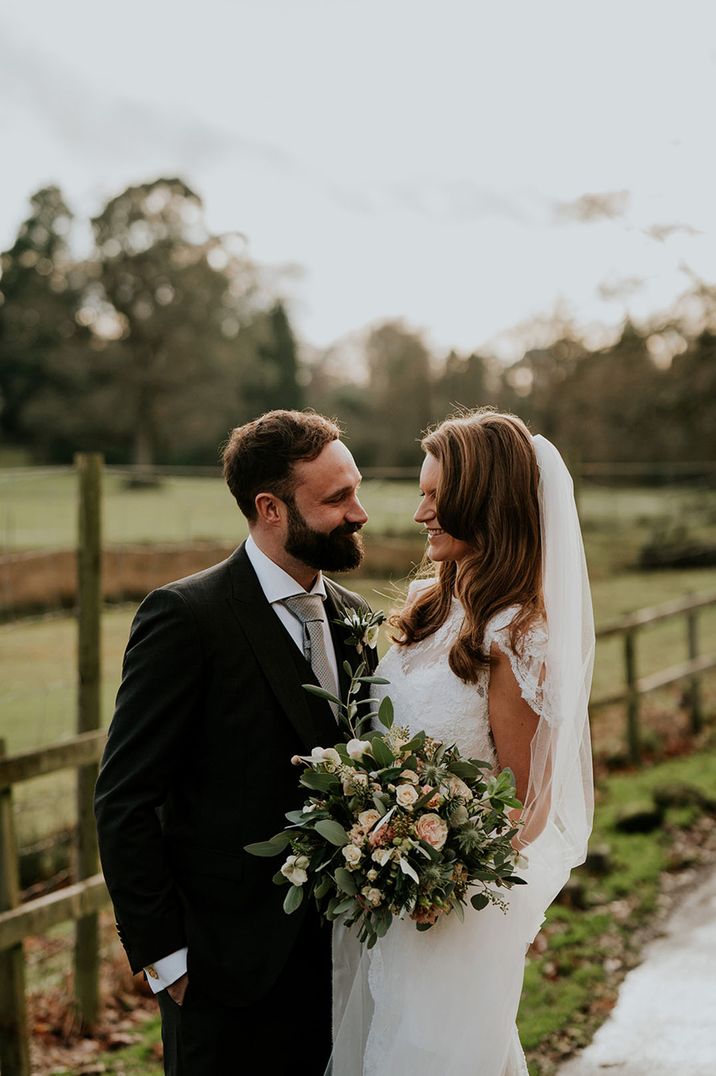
column 323, row 887
column 479, row 901
column 319, row 782
column 372, row 680
column 464, row 770
column 380, row 751
column 271, row 847
column 332, row 832
column 344, row 906
column 345, row 881
column 293, row 899
column 386, row 712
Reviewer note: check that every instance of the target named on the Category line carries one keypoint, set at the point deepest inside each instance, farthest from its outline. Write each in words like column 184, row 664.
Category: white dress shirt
column 276, row 585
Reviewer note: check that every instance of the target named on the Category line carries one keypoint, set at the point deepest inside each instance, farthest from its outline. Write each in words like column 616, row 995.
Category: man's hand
column 177, row 990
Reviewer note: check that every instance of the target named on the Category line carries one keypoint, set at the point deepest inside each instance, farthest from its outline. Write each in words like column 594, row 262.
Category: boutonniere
column 364, row 628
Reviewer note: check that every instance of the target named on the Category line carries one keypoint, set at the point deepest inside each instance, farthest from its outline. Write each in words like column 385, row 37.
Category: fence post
column 89, row 610
column 695, row 686
column 14, row 1033
column 633, row 737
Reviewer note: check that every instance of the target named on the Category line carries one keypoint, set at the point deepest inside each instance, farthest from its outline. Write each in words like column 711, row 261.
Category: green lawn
column 38, row 690
column 38, row 511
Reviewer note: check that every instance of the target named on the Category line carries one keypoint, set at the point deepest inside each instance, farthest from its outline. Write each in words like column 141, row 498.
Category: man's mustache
column 347, row 528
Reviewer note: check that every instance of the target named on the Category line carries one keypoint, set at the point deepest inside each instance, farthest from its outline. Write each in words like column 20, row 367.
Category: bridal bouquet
column 394, row 825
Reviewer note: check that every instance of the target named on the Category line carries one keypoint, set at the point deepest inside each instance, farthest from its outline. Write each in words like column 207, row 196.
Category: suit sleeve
column 158, row 696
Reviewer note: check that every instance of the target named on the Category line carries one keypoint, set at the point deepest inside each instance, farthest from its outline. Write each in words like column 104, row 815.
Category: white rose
column 372, row 635
column 295, row 870
column 367, row 819
column 357, row 748
column 381, row 856
column 352, row 855
column 406, row 795
column 410, row 775
column 372, row 895
column 372, row 875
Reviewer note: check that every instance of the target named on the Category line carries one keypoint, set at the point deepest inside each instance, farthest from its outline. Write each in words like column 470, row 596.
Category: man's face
column 324, row 514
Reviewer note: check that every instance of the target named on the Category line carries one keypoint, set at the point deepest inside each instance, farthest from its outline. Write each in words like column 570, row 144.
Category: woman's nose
column 423, row 514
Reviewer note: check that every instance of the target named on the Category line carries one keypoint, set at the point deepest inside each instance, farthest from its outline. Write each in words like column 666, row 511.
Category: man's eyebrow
column 342, row 491
column 337, row 493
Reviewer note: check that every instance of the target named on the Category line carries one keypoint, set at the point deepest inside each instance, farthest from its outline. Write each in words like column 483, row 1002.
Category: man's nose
column 357, row 513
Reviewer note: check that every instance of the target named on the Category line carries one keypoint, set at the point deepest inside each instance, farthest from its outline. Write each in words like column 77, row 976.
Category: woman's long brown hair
column 488, row 498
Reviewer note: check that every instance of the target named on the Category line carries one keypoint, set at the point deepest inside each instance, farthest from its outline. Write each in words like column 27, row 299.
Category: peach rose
column 406, row 795
column 432, row 829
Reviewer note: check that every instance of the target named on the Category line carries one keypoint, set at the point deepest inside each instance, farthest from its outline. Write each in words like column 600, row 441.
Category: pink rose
column 432, row 829
column 379, row 838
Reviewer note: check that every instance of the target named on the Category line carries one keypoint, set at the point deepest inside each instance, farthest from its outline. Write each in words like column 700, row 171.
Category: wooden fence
column 82, row 901
column 635, row 686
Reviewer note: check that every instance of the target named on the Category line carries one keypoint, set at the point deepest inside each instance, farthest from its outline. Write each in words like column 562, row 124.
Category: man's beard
column 340, row 550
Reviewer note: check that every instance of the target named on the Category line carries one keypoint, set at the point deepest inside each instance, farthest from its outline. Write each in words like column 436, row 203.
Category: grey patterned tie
column 308, row 608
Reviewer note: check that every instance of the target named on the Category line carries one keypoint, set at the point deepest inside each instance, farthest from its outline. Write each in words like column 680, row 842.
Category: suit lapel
column 271, row 645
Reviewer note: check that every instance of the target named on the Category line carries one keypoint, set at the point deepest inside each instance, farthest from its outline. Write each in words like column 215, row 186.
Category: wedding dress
column 443, row 1002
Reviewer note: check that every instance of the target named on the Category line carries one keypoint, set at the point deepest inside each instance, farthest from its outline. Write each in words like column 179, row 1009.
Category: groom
column 197, row 764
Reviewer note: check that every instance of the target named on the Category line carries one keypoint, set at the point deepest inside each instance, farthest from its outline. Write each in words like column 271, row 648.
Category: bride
column 493, row 653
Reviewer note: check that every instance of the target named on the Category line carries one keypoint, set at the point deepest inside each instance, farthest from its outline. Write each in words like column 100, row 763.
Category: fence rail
column 628, row 627
column 82, row 901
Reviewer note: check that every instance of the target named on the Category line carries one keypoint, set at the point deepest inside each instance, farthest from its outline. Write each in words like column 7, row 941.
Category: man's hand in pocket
column 177, row 990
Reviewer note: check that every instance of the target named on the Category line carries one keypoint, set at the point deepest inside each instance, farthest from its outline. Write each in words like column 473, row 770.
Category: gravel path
column 664, row 1022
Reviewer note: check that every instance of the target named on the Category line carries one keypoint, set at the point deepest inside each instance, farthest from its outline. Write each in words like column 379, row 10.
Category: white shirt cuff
column 162, row 973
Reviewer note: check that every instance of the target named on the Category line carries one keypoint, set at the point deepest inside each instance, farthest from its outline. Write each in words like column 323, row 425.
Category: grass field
column 38, row 690
column 38, row 510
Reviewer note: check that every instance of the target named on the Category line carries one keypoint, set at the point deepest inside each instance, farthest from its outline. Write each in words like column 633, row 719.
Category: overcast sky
column 463, row 164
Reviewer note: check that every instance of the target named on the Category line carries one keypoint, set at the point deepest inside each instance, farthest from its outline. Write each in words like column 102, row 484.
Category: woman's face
column 441, row 545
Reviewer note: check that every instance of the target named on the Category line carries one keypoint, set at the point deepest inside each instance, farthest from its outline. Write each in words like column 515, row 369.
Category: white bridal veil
column 473, row 971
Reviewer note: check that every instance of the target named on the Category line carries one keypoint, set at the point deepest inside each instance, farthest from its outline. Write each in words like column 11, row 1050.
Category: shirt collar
column 274, row 581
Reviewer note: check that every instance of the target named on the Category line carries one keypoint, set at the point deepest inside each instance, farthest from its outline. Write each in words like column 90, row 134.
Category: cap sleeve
column 416, row 586
column 528, row 660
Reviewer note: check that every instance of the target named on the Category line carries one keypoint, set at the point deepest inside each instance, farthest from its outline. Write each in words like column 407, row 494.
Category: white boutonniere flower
column 364, row 628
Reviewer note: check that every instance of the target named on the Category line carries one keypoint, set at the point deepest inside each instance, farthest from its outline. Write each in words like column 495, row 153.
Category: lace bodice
column 427, row 695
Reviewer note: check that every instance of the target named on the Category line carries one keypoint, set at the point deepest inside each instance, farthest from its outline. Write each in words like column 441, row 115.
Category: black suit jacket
column 197, row 765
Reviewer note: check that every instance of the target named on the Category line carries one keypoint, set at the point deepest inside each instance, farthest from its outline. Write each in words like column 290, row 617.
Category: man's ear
column 269, row 509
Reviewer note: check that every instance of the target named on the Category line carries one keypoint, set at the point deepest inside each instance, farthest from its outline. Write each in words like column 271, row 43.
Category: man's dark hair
column 259, row 456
